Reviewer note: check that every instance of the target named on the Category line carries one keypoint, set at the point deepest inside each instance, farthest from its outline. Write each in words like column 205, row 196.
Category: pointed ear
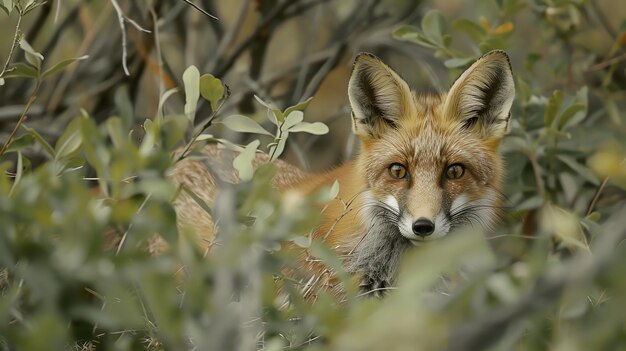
column 378, row 96
column 482, row 96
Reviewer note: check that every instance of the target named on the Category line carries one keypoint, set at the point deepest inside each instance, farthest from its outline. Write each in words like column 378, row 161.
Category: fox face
column 430, row 162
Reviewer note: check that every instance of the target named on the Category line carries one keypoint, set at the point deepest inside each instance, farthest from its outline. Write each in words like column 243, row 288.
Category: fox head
column 431, row 162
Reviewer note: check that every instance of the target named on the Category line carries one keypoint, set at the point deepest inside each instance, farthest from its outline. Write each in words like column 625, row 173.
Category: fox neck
column 358, row 229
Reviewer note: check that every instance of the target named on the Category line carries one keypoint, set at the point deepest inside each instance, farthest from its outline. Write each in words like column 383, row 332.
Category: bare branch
column 200, row 9
column 16, row 39
column 121, row 19
column 31, row 100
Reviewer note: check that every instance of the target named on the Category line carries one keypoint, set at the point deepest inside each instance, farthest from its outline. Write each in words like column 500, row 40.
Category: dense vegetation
column 96, row 96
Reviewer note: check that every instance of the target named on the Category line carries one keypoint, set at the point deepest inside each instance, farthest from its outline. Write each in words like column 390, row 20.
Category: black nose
column 423, row 227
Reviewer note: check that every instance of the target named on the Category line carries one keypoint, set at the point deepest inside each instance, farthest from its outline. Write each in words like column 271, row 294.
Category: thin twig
column 606, row 63
column 200, row 9
column 31, row 100
column 157, row 45
column 16, row 39
column 121, row 19
column 204, row 126
column 130, row 226
column 593, row 202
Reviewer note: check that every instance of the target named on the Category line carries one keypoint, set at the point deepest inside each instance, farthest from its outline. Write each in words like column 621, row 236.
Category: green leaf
column 243, row 162
column 32, row 56
column 299, row 107
column 5, row 183
column 19, row 170
column 334, row 190
column 554, row 105
column 116, row 131
column 8, row 4
column 244, row 124
column 21, row 70
column 583, row 171
column 271, row 116
column 150, row 138
column 470, row 28
column 198, row 200
column 31, row 6
column 530, row 203
column 211, row 89
column 96, row 155
column 191, row 80
column 317, row 128
column 406, row 32
column 4, row 6
column 594, row 216
column 276, row 149
column 302, row 241
column 512, row 7
column 173, row 130
column 576, row 110
column 458, row 62
column 61, row 65
column 292, row 119
column 279, row 114
column 162, row 101
column 433, row 26
column 21, row 142
column 41, row 140
column 582, row 98
column 70, row 141
column 412, row 34
column 205, row 137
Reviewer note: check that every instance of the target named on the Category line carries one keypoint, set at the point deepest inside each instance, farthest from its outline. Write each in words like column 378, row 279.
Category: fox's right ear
column 378, row 96
column 481, row 97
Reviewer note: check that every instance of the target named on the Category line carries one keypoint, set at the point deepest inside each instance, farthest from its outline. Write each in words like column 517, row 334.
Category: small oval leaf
column 292, row 119
column 243, row 124
column 191, row 80
column 243, row 162
column 211, row 89
column 61, row 65
column 317, row 128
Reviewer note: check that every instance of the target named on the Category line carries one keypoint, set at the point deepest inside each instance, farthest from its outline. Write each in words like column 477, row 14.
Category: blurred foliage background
column 90, row 124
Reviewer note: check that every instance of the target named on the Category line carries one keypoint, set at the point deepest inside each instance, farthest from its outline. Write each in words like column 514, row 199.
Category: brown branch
column 31, row 100
column 593, row 202
column 278, row 14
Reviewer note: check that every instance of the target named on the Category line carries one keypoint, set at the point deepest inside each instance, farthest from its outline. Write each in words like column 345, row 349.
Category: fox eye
column 455, row 171
column 397, row 171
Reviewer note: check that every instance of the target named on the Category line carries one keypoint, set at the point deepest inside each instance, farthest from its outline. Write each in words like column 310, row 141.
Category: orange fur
column 445, row 147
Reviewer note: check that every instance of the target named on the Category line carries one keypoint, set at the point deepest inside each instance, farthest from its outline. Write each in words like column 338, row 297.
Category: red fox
column 427, row 164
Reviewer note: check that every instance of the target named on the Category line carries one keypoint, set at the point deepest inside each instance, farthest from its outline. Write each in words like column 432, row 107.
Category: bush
column 84, row 184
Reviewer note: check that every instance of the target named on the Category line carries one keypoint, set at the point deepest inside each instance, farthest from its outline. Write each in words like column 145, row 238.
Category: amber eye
column 455, row 171
column 397, row 171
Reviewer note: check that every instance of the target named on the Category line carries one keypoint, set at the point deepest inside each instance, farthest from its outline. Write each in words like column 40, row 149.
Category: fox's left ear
column 482, row 96
column 378, row 96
